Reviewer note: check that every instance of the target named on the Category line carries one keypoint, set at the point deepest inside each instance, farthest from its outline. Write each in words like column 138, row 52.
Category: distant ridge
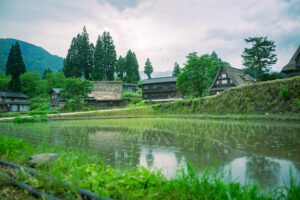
column 35, row 58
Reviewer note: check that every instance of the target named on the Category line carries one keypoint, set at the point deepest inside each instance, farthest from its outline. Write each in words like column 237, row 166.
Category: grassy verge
column 30, row 119
column 87, row 170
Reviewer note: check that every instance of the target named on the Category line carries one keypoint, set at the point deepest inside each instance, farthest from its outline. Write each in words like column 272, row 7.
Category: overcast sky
column 163, row 30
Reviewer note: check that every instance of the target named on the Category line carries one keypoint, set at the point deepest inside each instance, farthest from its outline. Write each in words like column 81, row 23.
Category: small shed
column 293, row 67
column 160, row 89
column 228, row 77
column 13, row 102
column 130, row 87
column 56, row 102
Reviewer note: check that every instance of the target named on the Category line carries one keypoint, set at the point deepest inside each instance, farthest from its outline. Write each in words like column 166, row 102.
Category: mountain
column 35, row 58
column 155, row 74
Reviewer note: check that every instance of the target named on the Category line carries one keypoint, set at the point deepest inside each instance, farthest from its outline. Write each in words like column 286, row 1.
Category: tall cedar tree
column 15, row 66
column 120, row 68
column 176, row 70
column 258, row 59
column 131, row 68
column 148, row 69
column 99, row 69
column 79, row 60
column 110, row 56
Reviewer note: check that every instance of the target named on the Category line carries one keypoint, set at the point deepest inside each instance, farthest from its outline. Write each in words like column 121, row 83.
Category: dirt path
column 74, row 113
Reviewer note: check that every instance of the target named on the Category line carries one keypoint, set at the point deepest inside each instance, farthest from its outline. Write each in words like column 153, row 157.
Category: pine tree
column 148, row 69
column 15, row 67
column 258, row 59
column 10, row 60
column 120, row 68
column 99, row 70
column 80, row 58
column 85, row 54
column 214, row 56
column 110, row 56
column 131, row 68
column 176, row 70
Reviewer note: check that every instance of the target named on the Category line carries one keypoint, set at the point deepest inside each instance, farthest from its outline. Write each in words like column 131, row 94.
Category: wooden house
column 130, row 87
column 228, row 77
column 293, row 67
column 107, row 94
column 56, row 102
column 13, row 102
column 160, row 89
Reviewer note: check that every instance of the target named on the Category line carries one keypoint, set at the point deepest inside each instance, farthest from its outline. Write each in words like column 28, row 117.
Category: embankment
column 277, row 97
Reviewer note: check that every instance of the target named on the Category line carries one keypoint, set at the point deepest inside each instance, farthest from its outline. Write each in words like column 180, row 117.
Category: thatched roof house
column 228, row 77
column 293, row 67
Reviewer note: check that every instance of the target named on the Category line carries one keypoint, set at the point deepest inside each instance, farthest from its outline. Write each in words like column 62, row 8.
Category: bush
column 284, row 93
column 8, row 145
column 42, row 112
column 156, row 106
column 30, row 119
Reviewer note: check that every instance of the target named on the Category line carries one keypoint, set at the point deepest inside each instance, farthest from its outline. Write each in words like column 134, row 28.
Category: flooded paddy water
column 250, row 151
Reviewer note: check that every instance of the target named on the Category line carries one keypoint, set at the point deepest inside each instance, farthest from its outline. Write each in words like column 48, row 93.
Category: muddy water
column 264, row 152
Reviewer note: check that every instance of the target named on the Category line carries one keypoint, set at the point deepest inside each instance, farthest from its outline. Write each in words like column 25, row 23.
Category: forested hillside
column 35, row 58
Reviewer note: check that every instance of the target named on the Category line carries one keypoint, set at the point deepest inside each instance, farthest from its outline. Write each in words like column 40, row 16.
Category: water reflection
column 250, row 152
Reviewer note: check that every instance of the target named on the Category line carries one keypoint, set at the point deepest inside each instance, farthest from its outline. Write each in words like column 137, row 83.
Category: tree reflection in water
column 263, row 170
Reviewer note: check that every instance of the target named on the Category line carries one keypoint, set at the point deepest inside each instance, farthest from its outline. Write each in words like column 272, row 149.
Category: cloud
column 163, row 30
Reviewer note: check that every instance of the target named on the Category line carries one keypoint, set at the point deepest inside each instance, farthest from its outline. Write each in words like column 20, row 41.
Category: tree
column 54, row 80
column 258, row 59
column 148, row 68
column 176, row 70
column 15, row 67
column 76, row 89
column 4, row 82
column 31, row 83
column 79, row 60
column 193, row 79
column 46, row 71
column 120, row 68
column 110, row 56
column 214, row 56
column 99, row 70
column 131, row 68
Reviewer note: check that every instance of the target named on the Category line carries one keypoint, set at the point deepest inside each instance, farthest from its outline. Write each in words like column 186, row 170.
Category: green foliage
column 31, row 84
column 30, row 119
column 131, row 68
column 42, row 112
column 176, row 70
column 54, row 80
column 193, row 79
column 258, row 59
column 148, row 69
column 277, row 96
column 284, row 93
column 4, row 82
column 109, row 56
column 120, row 68
column 47, row 71
column 79, row 60
column 156, row 106
column 132, row 95
column 10, row 145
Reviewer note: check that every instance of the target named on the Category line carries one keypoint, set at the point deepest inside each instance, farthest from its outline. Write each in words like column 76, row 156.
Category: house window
column 145, row 95
column 154, row 86
column 224, row 76
column 218, row 82
column 224, row 81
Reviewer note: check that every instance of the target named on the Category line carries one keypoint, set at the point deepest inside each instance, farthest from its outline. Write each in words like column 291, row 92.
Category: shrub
column 284, row 93
column 156, row 106
column 30, row 119
column 13, row 145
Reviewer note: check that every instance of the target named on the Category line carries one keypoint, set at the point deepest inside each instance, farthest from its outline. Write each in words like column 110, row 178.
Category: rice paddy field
column 261, row 153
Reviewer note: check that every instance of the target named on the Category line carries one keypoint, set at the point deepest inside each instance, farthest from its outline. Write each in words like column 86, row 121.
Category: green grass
column 90, row 172
column 278, row 96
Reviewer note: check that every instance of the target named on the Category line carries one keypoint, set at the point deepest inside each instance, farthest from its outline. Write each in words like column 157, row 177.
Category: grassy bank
column 278, row 96
column 90, row 172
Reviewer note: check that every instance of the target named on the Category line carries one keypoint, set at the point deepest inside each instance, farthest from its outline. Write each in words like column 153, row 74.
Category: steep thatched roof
column 159, row 80
column 293, row 62
column 237, row 76
column 107, row 90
